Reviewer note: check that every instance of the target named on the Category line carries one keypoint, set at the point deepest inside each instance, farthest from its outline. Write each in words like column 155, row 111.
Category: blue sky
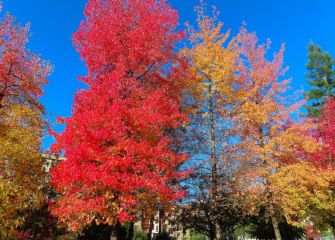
column 293, row 22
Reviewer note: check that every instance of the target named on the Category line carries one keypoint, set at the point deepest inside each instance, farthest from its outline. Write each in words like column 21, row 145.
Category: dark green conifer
column 321, row 78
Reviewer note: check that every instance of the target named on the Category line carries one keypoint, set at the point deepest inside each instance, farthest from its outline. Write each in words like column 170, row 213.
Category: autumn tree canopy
column 22, row 76
column 210, row 103
column 119, row 156
column 269, row 141
column 165, row 110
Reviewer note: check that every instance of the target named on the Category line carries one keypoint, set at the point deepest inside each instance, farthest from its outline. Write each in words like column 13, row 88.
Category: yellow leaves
column 211, row 63
column 300, row 189
column 294, row 138
column 21, row 176
column 271, row 151
column 251, row 113
column 14, row 199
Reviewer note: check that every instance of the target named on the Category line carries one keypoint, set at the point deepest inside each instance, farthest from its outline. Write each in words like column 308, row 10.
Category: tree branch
column 148, row 70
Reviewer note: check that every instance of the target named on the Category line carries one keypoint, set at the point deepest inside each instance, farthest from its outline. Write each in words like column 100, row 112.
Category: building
column 50, row 161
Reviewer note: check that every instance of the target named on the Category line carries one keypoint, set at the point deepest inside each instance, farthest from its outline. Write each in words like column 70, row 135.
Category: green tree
column 321, row 78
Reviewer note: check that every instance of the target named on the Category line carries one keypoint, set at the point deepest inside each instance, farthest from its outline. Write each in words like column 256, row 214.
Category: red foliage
column 22, row 73
column 117, row 142
column 311, row 232
column 325, row 134
column 128, row 37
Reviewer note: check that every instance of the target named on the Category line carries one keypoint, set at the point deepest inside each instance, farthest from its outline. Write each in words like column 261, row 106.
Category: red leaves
column 325, row 134
column 117, row 143
column 22, row 73
column 131, row 37
column 311, row 232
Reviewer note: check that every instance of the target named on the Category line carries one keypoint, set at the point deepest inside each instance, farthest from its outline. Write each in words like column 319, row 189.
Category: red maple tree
column 117, row 143
column 325, row 134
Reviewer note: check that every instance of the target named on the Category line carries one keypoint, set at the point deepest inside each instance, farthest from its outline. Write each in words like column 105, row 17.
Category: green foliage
column 196, row 236
column 321, row 78
column 327, row 233
column 139, row 234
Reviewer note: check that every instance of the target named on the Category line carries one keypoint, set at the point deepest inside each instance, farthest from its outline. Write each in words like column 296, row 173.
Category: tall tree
column 269, row 141
column 22, row 75
column 210, row 99
column 119, row 156
column 321, row 78
column 323, row 158
column 325, row 134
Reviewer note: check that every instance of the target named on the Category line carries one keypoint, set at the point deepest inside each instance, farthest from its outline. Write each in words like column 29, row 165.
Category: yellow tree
column 305, row 193
column 22, row 75
column 269, row 141
column 210, row 97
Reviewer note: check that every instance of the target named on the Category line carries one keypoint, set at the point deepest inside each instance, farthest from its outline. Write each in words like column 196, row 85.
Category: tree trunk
column 275, row 225
column 1, row 98
column 160, row 221
column 229, row 233
column 218, row 230
column 130, row 234
column 150, row 228
column 117, row 231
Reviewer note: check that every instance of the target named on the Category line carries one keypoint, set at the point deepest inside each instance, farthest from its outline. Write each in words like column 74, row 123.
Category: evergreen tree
column 321, row 78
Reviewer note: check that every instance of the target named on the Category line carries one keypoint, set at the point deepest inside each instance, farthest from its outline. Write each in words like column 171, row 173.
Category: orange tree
column 273, row 149
column 210, row 99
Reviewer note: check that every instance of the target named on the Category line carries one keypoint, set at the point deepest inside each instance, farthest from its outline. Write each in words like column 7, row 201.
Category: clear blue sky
column 294, row 22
